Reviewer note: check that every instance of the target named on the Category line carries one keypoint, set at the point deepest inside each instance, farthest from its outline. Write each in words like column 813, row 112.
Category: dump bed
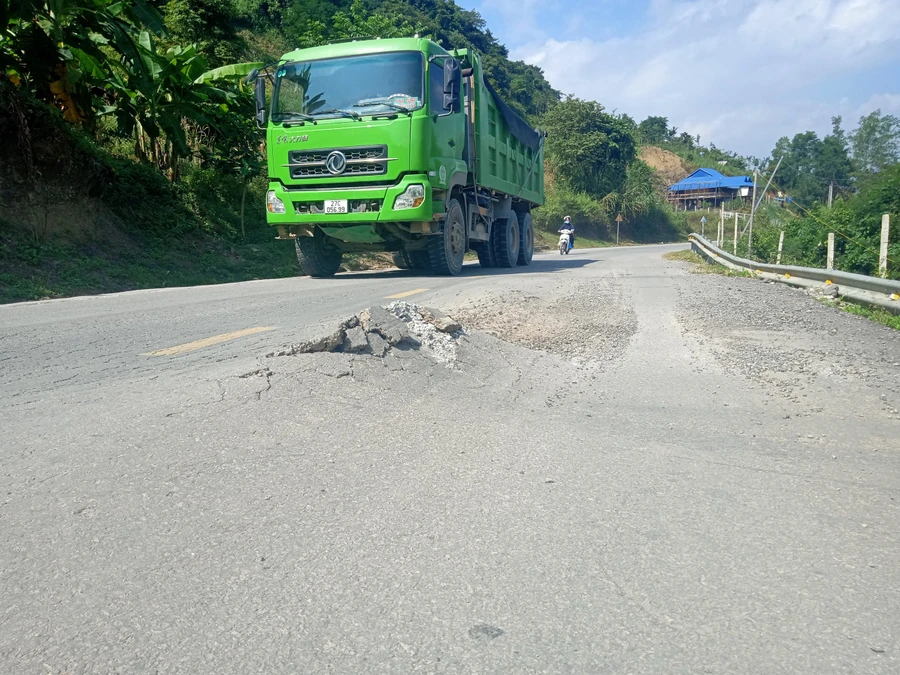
column 508, row 152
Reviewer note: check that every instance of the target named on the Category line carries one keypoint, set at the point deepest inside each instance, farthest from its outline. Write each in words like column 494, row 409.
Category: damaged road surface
column 608, row 465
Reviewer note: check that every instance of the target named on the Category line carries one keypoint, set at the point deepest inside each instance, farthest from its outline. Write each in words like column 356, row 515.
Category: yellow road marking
column 407, row 294
column 206, row 342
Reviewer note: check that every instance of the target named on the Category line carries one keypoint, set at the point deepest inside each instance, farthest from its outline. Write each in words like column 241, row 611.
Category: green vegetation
column 701, row 266
column 881, row 316
column 596, row 176
column 685, row 256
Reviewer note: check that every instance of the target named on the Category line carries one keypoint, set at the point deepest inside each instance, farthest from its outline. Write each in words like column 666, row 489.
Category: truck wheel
column 526, row 240
column 447, row 249
column 418, row 260
column 316, row 257
column 485, row 254
column 401, row 260
column 506, row 245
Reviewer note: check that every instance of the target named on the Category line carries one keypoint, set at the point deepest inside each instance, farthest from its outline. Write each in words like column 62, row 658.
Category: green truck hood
column 376, row 151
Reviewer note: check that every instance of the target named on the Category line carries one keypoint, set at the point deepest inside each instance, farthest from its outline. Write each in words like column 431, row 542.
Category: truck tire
column 418, row 260
column 506, row 244
column 526, row 239
column 401, row 260
column 447, row 249
column 316, row 257
column 485, row 252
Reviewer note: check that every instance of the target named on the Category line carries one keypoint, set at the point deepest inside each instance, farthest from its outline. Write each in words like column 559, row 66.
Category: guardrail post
column 735, row 233
column 829, row 265
column 882, row 257
column 780, row 246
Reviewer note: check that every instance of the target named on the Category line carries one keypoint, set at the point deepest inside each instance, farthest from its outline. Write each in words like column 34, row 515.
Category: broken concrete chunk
column 378, row 320
column 355, row 340
column 439, row 320
column 446, row 325
column 378, row 345
column 326, row 343
column 352, row 322
column 430, row 314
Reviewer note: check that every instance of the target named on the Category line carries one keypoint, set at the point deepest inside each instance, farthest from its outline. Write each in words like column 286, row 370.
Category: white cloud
column 739, row 74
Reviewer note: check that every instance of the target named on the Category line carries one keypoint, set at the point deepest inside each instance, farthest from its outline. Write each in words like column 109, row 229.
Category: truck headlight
column 273, row 204
column 412, row 198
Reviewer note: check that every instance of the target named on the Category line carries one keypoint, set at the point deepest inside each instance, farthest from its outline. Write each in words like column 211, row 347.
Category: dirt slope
column 670, row 168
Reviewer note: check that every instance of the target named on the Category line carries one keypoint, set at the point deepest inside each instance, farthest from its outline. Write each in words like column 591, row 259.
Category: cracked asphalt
column 627, row 469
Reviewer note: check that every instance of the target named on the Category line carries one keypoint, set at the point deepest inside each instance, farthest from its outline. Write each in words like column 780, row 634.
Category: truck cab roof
column 365, row 46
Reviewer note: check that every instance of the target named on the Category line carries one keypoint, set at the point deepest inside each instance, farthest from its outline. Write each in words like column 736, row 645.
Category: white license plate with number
column 335, row 206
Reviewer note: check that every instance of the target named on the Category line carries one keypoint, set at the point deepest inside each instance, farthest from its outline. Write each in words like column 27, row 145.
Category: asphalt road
column 692, row 475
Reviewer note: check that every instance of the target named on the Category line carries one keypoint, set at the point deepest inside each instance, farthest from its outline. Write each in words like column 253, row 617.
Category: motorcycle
column 565, row 241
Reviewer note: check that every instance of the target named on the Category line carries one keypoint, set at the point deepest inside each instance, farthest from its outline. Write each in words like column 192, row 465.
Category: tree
column 876, row 142
column 153, row 93
column 654, row 130
column 587, row 147
column 58, row 50
column 833, row 164
column 205, row 23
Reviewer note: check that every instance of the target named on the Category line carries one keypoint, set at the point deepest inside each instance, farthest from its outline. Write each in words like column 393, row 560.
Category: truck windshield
column 359, row 85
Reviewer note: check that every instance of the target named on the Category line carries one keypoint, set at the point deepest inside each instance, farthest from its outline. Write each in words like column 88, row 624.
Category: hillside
column 102, row 191
column 669, row 167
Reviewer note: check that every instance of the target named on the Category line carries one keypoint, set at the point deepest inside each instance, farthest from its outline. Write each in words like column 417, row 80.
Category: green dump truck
column 397, row 145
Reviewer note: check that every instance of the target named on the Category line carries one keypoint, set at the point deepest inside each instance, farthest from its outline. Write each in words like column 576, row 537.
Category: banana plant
column 55, row 48
column 154, row 92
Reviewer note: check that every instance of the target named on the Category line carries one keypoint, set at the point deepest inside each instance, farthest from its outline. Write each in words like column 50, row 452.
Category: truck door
column 448, row 128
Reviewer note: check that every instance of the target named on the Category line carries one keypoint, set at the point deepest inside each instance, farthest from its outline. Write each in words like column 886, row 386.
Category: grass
column 39, row 271
column 877, row 315
column 701, row 266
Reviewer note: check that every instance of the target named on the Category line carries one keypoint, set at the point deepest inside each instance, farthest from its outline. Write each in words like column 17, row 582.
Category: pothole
column 377, row 330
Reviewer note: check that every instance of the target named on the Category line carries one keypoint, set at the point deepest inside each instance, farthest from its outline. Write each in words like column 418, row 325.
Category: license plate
column 335, row 206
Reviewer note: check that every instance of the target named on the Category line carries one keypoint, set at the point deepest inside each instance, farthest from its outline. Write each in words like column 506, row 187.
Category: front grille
column 365, row 161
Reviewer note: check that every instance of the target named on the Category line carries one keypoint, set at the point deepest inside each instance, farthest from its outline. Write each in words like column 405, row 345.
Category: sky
column 740, row 73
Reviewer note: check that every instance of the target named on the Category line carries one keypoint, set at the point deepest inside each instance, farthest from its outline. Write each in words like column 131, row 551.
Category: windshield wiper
column 286, row 117
column 389, row 104
column 336, row 111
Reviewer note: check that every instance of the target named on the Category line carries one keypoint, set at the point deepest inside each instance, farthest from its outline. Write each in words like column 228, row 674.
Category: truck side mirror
column 259, row 93
column 452, row 82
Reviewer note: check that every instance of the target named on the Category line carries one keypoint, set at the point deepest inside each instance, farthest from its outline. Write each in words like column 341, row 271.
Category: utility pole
column 830, row 194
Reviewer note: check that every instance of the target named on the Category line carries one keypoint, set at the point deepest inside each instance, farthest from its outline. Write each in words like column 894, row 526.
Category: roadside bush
column 587, row 213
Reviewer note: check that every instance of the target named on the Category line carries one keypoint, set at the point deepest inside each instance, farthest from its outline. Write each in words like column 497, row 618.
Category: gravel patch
column 591, row 320
column 780, row 336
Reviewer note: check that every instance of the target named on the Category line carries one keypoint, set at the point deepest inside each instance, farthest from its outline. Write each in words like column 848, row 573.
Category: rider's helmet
column 567, row 219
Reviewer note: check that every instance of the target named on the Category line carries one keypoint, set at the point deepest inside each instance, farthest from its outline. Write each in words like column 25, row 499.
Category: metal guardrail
column 881, row 292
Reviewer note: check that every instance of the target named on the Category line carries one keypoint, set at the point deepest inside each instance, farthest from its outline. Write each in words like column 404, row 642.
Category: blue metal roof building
column 709, row 185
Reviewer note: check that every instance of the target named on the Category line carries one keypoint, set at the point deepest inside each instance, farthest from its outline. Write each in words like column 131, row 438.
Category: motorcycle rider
column 567, row 225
